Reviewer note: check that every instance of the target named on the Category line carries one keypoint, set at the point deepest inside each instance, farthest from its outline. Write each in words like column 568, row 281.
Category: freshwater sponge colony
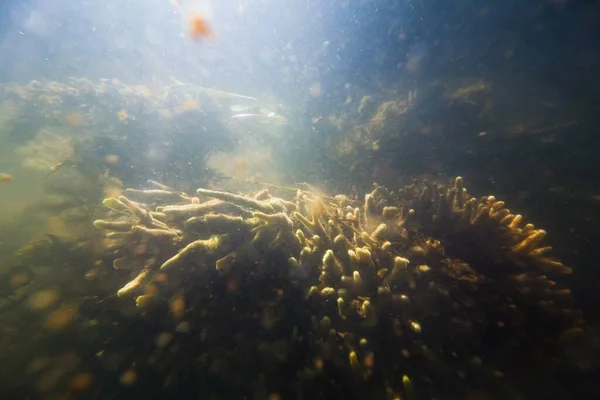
column 420, row 292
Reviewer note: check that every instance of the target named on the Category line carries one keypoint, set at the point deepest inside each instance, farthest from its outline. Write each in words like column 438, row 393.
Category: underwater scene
column 299, row 199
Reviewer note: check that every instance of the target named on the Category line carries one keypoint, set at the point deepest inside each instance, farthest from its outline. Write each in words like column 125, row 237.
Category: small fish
column 213, row 92
column 238, row 108
column 277, row 119
column 54, row 168
column 4, row 177
column 199, row 27
column 262, row 114
column 317, row 120
column 266, row 112
column 247, row 115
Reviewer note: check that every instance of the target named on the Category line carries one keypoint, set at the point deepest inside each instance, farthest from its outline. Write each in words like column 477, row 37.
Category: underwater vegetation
column 420, row 292
column 164, row 289
column 72, row 139
column 111, row 124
